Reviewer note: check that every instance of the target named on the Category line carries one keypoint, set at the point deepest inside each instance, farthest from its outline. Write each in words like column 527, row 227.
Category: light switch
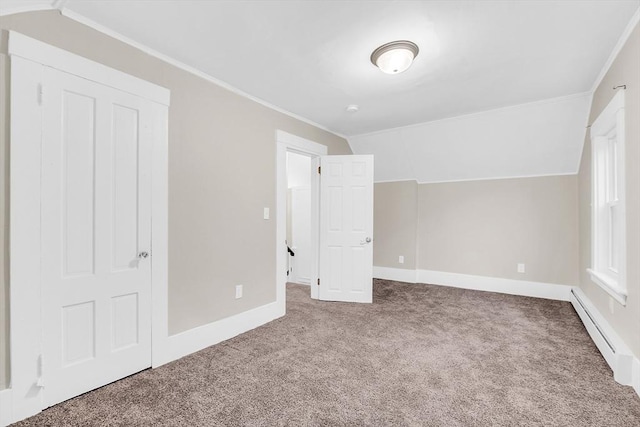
column 266, row 213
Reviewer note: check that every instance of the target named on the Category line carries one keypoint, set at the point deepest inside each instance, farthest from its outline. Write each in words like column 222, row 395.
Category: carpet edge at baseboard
column 527, row 288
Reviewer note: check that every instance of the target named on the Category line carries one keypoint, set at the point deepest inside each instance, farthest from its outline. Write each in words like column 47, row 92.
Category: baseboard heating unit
column 613, row 349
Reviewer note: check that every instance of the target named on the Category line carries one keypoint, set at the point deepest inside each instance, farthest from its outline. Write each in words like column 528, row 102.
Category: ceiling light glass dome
column 395, row 57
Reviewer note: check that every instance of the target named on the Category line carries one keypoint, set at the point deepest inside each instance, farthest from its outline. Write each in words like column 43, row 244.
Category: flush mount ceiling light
column 395, row 57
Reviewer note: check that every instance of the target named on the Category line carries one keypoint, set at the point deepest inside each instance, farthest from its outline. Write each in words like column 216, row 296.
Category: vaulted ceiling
column 311, row 58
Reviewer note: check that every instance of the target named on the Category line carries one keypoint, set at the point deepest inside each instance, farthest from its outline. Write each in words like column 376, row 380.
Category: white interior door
column 96, row 230
column 346, row 228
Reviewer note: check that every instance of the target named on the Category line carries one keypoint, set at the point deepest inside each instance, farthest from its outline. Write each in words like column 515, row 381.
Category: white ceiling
column 483, row 67
column 312, row 57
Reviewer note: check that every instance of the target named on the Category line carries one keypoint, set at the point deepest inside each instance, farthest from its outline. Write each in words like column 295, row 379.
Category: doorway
column 299, row 269
column 341, row 222
column 301, row 154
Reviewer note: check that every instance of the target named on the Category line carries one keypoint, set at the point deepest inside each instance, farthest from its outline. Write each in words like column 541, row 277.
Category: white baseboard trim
column 6, row 407
column 196, row 339
column 478, row 283
column 397, row 274
column 625, row 367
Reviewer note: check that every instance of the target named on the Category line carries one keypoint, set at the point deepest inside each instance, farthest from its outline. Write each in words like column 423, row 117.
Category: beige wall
column 624, row 319
column 395, row 224
column 221, row 175
column 482, row 228
column 486, row 228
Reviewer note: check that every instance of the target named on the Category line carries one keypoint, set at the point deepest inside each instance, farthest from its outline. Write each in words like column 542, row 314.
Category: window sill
column 609, row 286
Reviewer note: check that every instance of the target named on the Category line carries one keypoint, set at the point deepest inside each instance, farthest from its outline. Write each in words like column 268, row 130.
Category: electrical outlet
column 520, row 268
column 401, row 259
column 238, row 291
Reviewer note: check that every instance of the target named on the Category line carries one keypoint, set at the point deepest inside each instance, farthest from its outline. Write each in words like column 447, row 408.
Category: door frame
column 28, row 57
column 286, row 142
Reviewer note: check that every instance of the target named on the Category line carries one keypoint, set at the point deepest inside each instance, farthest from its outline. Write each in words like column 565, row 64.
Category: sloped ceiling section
column 536, row 139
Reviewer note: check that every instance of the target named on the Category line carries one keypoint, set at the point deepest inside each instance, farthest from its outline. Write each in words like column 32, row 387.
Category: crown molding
column 617, row 48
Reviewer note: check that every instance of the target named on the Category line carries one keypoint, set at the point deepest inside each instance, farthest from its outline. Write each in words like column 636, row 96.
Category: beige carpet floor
column 420, row 355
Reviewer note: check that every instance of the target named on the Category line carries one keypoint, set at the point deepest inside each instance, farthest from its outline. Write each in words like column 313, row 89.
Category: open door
column 346, row 228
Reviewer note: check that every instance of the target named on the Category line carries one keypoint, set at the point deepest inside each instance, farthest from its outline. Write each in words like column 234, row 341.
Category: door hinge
column 319, row 168
column 318, row 281
column 40, row 94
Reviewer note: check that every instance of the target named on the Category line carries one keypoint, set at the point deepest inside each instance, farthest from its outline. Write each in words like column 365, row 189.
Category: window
column 608, row 254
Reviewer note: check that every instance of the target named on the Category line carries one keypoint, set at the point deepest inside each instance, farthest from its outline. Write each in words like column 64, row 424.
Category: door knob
column 143, row 255
column 365, row 241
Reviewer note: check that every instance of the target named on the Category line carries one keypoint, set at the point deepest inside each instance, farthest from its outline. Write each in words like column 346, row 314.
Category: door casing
column 286, row 142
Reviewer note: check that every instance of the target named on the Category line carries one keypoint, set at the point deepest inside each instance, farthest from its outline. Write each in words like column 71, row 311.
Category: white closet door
column 346, row 228
column 96, row 222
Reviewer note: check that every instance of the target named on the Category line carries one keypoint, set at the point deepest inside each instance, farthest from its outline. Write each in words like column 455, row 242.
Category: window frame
column 608, row 259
